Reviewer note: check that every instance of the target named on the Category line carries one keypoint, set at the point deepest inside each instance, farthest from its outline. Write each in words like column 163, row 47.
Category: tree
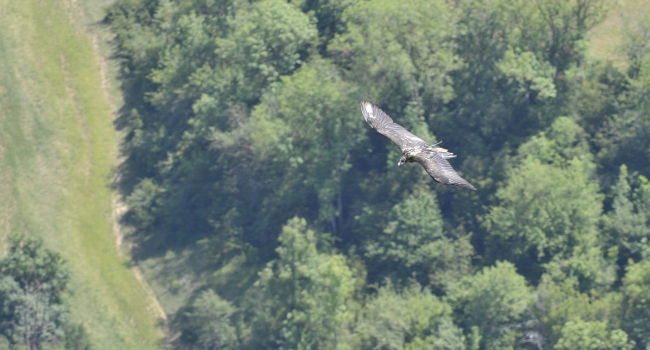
column 208, row 324
column 268, row 41
column 624, row 138
column 498, row 88
column 549, row 208
column 303, row 297
column 521, row 48
column 558, row 301
column 329, row 17
column 399, row 52
column 493, row 302
column 32, row 282
column 307, row 126
column 204, row 67
column 636, row 302
column 628, row 221
column 592, row 335
column 414, row 244
column 409, row 319
column 509, row 84
column 567, row 24
column 546, row 213
column 243, row 114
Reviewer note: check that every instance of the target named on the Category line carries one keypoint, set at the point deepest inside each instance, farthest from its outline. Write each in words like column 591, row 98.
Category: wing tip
column 470, row 186
column 367, row 109
column 464, row 183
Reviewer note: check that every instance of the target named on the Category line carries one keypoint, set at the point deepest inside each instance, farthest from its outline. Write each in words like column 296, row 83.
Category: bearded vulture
column 433, row 159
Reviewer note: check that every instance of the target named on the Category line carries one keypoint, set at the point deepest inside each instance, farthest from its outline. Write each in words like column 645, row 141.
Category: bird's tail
column 444, row 153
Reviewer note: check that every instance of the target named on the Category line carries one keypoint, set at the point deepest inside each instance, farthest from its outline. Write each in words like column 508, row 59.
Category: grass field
column 608, row 37
column 57, row 153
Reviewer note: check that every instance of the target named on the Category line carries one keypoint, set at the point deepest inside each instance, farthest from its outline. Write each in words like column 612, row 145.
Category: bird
column 432, row 158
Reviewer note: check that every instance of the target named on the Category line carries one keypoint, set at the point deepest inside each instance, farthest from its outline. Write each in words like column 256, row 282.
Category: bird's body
column 433, row 159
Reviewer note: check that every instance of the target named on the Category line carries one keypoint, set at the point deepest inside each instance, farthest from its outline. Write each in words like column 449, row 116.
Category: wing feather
column 384, row 124
column 437, row 166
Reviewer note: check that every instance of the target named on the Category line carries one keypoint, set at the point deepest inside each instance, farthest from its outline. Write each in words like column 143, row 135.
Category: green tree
column 558, row 301
column 522, row 48
column 549, row 208
column 142, row 203
column 493, row 302
column 414, row 244
column 497, row 88
column 398, row 51
column 307, row 126
column 305, row 296
column 491, row 305
column 636, row 303
column 516, row 55
column 592, row 335
column 563, row 141
column 411, row 319
column 35, row 268
column 329, row 17
column 268, row 41
column 567, row 24
column 546, row 212
column 242, row 114
column 624, row 138
column 208, row 323
column 628, row 221
column 32, row 282
column 206, row 65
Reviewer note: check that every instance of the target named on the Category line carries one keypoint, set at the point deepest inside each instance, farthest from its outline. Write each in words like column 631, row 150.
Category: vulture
column 433, row 159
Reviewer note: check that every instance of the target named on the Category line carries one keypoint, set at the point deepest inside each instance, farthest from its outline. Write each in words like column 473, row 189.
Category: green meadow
column 58, row 152
column 608, row 37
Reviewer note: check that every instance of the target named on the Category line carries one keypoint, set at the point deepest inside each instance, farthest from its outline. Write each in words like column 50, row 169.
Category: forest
column 246, row 153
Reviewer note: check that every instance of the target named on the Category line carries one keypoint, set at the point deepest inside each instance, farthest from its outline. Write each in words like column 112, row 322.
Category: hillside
column 238, row 211
column 58, row 150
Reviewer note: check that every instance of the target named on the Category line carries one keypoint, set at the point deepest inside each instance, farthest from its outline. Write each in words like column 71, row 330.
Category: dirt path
column 118, row 206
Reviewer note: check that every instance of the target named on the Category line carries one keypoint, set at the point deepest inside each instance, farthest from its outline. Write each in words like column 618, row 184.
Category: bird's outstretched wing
column 432, row 159
column 439, row 169
column 380, row 121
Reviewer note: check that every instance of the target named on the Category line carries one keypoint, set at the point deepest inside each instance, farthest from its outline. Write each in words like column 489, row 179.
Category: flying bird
column 433, row 159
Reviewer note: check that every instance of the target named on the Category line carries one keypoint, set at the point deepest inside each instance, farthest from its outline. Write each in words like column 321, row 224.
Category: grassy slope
column 57, row 151
column 607, row 38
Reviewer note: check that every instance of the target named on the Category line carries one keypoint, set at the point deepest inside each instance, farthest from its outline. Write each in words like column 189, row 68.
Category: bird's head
column 401, row 161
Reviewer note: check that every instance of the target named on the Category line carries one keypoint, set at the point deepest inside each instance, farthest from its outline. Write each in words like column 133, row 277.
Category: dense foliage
column 245, row 147
column 33, row 281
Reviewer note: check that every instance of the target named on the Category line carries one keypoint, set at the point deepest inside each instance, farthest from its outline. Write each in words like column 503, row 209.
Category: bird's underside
column 433, row 159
